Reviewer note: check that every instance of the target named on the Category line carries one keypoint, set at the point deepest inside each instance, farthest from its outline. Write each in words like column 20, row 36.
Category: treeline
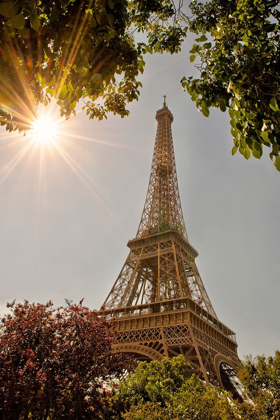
column 59, row 364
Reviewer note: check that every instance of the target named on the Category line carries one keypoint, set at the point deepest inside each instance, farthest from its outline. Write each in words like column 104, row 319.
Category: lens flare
column 44, row 130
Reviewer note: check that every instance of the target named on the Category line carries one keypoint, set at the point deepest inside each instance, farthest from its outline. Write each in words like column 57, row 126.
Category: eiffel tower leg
column 201, row 364
column 164, row 343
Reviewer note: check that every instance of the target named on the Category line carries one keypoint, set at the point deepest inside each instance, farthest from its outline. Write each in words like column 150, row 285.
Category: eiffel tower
column 159, row 300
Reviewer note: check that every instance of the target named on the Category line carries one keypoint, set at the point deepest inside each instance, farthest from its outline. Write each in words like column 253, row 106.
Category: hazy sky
column 66, row 213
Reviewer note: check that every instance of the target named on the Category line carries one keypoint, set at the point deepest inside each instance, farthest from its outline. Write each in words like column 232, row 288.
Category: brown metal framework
column 159, row 300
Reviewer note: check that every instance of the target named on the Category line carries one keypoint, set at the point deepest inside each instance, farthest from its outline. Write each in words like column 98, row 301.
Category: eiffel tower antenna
column 159, row 300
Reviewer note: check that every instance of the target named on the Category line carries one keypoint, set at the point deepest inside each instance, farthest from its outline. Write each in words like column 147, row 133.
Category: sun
column 44, row 130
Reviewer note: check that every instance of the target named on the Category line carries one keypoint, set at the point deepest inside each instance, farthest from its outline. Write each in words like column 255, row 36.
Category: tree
column 238, row 48
column 261, row 378
column 166, row 390
column 55, row 363
column 74, row 50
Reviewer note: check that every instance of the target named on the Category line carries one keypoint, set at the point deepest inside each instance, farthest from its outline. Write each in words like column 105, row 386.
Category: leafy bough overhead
column 74, row 50
column 238, row 48
column 86, row 50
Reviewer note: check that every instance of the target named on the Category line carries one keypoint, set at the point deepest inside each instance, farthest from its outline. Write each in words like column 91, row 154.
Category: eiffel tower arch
column 159, row 300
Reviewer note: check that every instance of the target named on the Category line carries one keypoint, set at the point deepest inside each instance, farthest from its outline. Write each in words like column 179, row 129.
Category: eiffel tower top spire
column 162, row 209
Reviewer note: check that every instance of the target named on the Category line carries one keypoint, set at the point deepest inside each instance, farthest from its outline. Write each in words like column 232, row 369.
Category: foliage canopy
column 86, row 50
column 54, row 362
column 238, row 48
column 74, row 50
column 165, row 390
column 261, row 378
column 58, row 363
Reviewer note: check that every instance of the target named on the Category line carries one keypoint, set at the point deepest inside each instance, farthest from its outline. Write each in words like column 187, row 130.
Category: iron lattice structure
column 159, row 300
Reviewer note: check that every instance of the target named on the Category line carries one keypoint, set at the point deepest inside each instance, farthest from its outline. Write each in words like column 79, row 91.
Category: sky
column 68, row 209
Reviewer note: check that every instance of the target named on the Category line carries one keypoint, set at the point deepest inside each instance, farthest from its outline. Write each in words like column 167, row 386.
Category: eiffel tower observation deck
column 159, row 300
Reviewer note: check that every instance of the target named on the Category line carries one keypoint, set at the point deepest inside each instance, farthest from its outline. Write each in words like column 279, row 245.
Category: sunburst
column 51, row 142
column 44, row 130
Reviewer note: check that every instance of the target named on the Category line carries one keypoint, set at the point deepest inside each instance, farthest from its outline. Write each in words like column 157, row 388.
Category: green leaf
column 70, row 87
column 241, row 150
column 34, row 21
column 247, row 153
column 257, row 150
column 192, row 58
column 16, row 21
column 256, row 153
column 233, row 131
column 201, row 39
column 111, row 4
column 265, row 137
column 195, row 49
column 249, row 141
column 223, row 106
column 110, row 34
column 236, row 103
column 41, row 79
column 63, row 92
column 275, row 148
column 98, row 17
column 194, row 96
column 205, row 109
column 277, row 163
column 184, row 84
column 234, row 150
column 84, row 72
column 207, row 46
column 232, row 123
column 273, row 104
column 9, row 9
column 50, row 91
column 243, row 142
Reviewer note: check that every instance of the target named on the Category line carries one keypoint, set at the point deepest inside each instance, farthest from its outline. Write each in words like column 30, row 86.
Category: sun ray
column 22, row 97
column 72, row 50
column 14, row 162
column 64, row 147
column 83, row 177
column 103, row 142
column 12, row 139
column 42, row 179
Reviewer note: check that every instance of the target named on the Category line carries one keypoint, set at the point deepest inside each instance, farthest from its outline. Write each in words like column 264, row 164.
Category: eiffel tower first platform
column 159, row 300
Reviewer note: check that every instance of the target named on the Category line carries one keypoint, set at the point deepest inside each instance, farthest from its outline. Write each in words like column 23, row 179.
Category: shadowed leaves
column 239, row 69
column 78, row 50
